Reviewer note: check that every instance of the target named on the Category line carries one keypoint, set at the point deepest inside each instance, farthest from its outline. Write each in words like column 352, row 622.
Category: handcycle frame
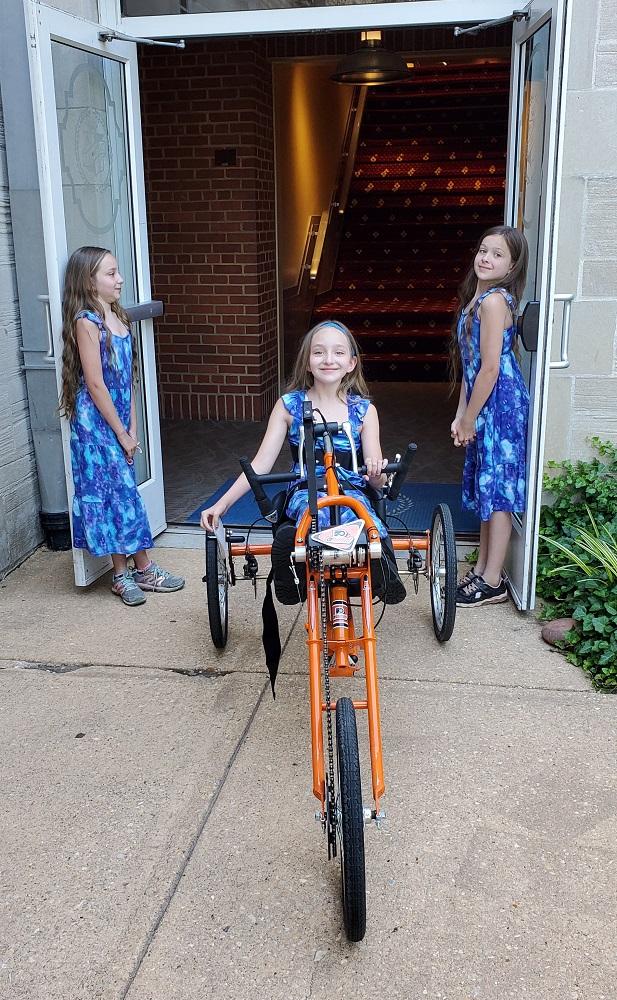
column 333, row 644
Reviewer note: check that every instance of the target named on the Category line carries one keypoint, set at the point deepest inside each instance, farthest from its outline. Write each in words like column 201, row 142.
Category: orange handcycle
column 339, row 563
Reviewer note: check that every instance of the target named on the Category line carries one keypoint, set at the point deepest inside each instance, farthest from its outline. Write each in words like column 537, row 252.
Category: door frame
column 522, row 560
column 298, row 19
column 438, row 12
column 46, row 25
column 348, row 17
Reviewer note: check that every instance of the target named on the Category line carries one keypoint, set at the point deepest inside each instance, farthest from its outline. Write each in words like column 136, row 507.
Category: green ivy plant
column 580, row 522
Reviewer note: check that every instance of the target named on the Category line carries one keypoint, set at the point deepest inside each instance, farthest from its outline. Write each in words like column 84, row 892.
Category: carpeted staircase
column 429, row 177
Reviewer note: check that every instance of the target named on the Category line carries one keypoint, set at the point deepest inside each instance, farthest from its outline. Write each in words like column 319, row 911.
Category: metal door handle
column 564, row 361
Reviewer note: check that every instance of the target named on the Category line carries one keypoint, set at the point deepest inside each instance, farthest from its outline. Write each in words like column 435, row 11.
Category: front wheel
column 350, row 821
column 442, row 572
column 217, row 592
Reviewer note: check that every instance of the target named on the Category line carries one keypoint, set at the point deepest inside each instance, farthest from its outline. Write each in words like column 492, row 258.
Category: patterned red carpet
column 429, row 177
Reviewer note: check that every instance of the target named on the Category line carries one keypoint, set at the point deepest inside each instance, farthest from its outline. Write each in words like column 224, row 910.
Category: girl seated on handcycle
column 328, row 372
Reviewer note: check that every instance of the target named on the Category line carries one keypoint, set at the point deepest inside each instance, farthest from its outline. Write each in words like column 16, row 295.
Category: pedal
column 415, row 561
column 371, row 815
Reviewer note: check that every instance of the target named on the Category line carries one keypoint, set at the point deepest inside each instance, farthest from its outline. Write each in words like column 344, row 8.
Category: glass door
column 87, row 119
column 533, row 167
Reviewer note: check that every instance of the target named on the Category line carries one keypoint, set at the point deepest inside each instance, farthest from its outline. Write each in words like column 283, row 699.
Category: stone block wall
column 583, row 397
column 20, row 530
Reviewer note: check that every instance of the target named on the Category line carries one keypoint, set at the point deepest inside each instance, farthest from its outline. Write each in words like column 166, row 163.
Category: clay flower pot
column 554, row 631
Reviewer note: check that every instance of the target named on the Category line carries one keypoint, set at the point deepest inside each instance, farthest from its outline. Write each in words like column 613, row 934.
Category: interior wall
column 207, row 121
column 310, row 117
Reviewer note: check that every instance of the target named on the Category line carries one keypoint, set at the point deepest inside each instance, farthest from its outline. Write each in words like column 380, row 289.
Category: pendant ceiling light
column 371, row 65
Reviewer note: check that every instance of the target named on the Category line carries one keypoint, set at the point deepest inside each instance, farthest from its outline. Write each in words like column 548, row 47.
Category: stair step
column 458, row 148
column 405, row 285
column 431, row 187
column 496, row 97
column 397, row 166
column 407, row 356
column 428, row 305
column 424, row 200
column 445, row 133
column 434, row 118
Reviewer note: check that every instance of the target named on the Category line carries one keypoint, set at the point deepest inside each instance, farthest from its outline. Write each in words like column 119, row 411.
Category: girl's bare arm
column 265, row 458
column 493, row 316
column 133, row 424
column 371, row 448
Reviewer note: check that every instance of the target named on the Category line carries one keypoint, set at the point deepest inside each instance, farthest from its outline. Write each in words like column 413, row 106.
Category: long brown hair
column 514, row 282
column 352, row 383
column 79, row 294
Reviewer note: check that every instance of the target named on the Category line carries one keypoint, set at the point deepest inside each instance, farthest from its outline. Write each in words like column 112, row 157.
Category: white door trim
column 46, row 25
column 524, row 549
column 297, row 19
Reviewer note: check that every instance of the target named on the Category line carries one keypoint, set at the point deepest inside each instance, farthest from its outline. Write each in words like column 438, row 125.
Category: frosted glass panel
column 531, row 161
column 91, row 116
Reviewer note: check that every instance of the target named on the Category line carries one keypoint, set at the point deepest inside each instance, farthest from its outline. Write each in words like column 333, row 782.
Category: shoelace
column 471, row 587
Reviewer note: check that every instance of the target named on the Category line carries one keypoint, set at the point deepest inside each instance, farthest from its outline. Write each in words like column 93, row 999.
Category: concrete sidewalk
column 157, row 826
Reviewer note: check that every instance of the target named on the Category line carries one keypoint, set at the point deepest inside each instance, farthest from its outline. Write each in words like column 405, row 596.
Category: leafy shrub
column 592, row 643
column 574, row 488
column 581, row 524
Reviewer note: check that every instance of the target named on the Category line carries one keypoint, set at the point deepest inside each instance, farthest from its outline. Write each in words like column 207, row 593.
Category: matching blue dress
column 494, row 474
column 352, row 484
column 108, row 512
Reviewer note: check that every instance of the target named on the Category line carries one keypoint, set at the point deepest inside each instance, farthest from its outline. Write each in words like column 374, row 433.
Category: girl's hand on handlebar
column 211, row 516
column 374, row 475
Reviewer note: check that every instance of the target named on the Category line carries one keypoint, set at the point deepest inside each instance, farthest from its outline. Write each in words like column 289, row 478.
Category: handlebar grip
column 401, row 475
column 264, row 504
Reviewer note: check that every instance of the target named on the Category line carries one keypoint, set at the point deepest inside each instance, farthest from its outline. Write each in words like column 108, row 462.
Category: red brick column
column 212, row 228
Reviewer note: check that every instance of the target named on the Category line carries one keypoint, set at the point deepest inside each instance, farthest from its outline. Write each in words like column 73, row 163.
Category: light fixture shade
column 371, row 66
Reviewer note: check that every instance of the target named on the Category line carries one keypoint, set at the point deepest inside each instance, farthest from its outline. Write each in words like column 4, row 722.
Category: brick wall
column 212, row 228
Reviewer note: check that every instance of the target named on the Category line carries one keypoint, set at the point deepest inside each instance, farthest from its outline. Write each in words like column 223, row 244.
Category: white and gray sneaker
column 478, row 591
column 124, row 586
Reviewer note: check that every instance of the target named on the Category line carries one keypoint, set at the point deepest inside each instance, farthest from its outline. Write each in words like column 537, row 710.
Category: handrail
column 341, row 189
column 306, row 265
column 319, row 244
column 350, row 147
column 343, row 179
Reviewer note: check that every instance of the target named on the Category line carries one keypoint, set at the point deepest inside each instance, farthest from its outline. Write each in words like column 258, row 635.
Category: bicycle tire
column 217, row 593
column 442, row 558
column 350, row 821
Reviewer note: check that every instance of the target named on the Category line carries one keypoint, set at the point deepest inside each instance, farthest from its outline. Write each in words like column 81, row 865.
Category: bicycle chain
column 330, row 797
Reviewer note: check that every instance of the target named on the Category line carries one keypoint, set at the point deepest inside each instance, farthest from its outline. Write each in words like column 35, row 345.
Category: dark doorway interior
column 428, row 177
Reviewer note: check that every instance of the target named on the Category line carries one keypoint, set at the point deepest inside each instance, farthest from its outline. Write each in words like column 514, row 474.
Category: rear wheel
column 217, row 592
column 442, row 570
column 350, row 821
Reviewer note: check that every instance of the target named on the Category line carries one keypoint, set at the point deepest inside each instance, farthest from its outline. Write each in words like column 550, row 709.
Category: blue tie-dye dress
column 108, row 512
column 494, row 474
column 351, row 483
